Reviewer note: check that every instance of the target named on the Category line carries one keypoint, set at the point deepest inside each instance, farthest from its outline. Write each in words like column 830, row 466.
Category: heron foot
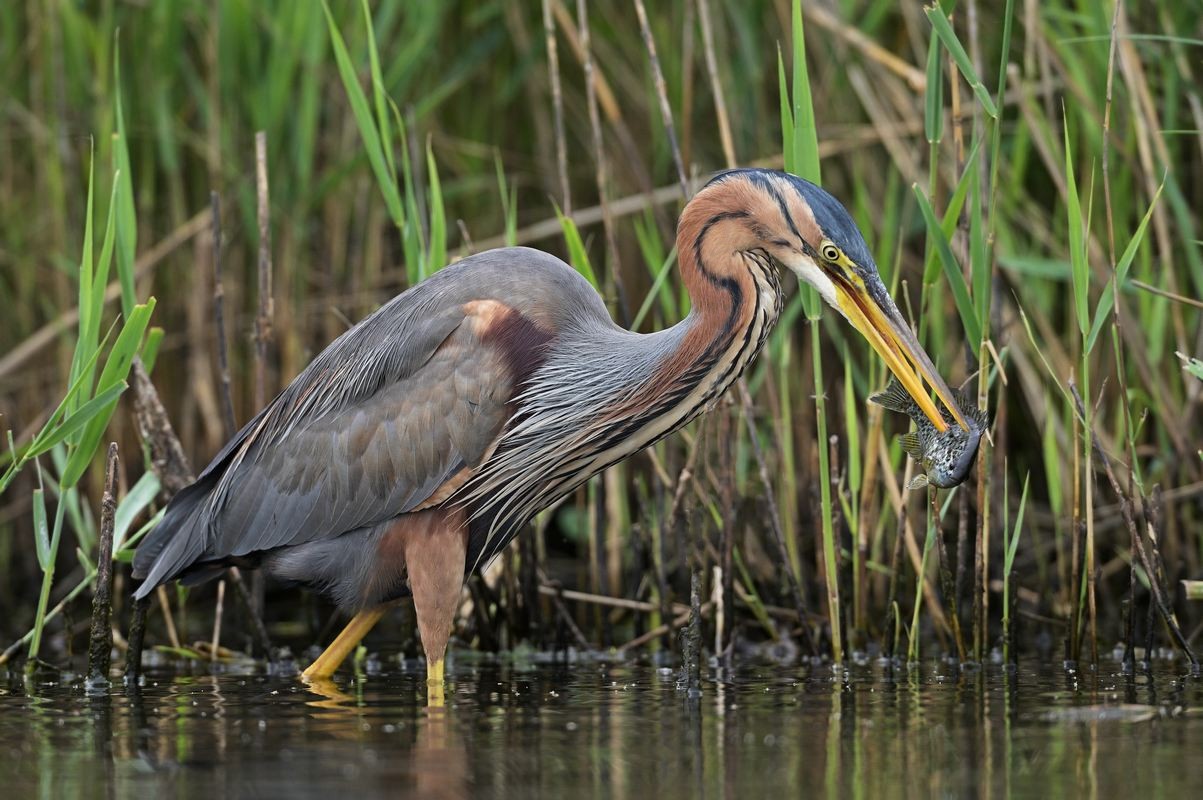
column 343, row 645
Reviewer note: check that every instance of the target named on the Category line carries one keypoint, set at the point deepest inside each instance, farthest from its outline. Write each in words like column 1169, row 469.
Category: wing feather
column 385, row 449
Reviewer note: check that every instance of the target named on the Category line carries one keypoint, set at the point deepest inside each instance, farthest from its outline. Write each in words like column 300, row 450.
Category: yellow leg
column 434, row 683
column 344, row 644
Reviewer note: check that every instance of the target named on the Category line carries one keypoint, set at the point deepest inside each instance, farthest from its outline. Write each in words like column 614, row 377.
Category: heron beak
column 872, row 312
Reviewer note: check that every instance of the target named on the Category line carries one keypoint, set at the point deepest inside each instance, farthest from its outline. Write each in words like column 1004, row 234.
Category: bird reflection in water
column 436, row 763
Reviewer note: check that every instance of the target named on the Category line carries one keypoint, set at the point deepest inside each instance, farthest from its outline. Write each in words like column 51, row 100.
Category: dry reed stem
column 219, row 320
column 930, row 597
column 668, row 627
column 1151, row 568
column 666, row 112
column 599, row 160
column 215, row 642
column 100, row 640
column 716, row 87
column 775, row 517
column 137, row 639
column 165, row 607
column 915, row 79
column 557, row 102
column 263, row 320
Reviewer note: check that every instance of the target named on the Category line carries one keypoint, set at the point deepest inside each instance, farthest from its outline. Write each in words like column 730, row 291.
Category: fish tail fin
column 893, row 397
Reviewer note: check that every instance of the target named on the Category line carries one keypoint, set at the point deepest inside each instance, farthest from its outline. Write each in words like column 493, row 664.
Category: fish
column 947, row 456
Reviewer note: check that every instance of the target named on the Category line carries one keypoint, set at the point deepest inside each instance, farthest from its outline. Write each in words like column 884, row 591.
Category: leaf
column 577, row 254
column 1121, row 273
column 1078, row 267
column 436, row 257
column 933, row 97
column 41, row 529
column 661, row 276
column 367, row 126
column 140, row 495
column 787, row 114
column 127, row 220
column 116, row 368
column 806, row 132
column 87, row 348
column 952, row 270
column 1013, row 545
column 76, row 421
column 150, row 350
column 953, row 212
column 948, row 36
column 1192, row 365
column 126, row 553
column 378, row 94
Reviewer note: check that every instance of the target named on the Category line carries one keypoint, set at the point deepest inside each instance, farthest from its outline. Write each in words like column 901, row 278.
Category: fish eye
column 830, row 252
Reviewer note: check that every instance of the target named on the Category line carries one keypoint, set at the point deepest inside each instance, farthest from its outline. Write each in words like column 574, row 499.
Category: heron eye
column 831, row 252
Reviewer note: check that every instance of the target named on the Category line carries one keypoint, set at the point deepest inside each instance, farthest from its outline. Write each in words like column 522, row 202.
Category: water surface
column 592, row 729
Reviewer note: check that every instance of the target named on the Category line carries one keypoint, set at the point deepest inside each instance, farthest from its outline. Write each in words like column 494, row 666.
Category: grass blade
column 123, row 196
column 1079, row 268
column 952, row 270
column 365, row 122
column 948, row 36
column 41, row 529
column 578, row 256
column 1103, row 309
column 116, row 368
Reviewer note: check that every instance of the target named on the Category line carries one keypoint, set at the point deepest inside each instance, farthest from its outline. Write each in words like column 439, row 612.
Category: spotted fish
column 947, row 456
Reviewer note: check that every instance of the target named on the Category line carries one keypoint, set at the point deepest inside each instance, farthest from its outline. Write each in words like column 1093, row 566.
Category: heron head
column 811, row 233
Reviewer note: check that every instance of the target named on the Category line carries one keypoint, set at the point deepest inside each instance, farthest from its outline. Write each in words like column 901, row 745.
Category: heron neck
column 735, row 301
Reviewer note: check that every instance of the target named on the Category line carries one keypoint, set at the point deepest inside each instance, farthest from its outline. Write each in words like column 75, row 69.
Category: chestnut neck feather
column 730, row 282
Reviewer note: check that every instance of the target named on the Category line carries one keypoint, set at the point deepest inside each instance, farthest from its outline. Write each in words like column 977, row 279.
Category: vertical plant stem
column 1074, row 634
column 599, row 157
column 219, row 319
column 775, row 520
column 557, row 102
column 263, row 320
column 666, row 112
column 215, row 641
column 136, row 639
column 830, row 554
column 35, row 644
column 1088, row 489
column 981, row 604
column 100, row 641
column 933, row 520
column 948, row 586
column 1151, row 566
column 720, row 103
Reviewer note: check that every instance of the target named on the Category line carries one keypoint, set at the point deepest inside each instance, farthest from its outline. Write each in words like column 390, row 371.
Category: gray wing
column 411, row 398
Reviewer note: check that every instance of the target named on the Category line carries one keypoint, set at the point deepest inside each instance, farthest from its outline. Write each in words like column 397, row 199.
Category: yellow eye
column 830, row 252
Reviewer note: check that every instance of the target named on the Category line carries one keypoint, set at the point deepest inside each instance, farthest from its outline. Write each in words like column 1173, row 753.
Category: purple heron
column 418, row 443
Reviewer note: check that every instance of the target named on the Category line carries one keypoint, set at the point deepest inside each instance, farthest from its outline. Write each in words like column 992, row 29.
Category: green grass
column 1016, row 230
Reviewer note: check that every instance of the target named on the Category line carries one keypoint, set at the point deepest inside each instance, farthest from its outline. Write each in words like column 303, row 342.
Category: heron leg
column 344, row 643
column 434, row 559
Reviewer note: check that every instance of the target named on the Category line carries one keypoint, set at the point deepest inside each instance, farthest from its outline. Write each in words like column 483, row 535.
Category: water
column 612, row 730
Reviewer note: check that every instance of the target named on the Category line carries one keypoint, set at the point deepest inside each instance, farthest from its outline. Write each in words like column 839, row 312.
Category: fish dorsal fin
column 893, row 397
column 911, row 444
column 917, row 482
column 967, row 402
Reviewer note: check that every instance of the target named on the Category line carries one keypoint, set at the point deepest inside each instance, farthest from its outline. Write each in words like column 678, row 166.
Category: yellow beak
column 882, row 325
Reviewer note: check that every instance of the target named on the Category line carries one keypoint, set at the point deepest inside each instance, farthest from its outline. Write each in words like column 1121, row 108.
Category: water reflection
column 612, row 730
